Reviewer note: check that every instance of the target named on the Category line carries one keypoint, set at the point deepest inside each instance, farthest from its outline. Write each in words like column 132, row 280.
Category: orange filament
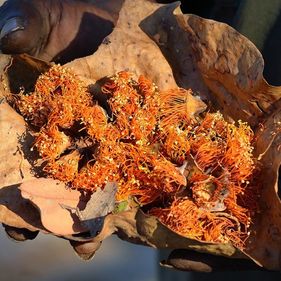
column 176, row 145
column 198, row 170
column 51, row 142
column 185, row 218
column 95, row 120
column 66, row 168
column 177, row 107
column 146, row 87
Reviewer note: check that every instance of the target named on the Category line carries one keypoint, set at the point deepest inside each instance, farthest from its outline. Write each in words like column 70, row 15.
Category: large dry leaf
column 17, row 212
column 226, row 71
column 201, row 53
column 213, row 58
column 128, row 48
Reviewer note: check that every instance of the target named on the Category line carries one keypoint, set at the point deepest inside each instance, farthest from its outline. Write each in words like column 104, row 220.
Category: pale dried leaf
column 12, row 127
column 49, row 196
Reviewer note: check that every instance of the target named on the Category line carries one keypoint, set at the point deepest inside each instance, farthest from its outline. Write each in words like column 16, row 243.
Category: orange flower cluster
column 196, row 170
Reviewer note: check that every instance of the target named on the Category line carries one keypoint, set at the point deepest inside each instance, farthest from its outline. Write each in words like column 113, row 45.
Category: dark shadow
column 10, row 197
column 98, row 96
column 26, row 141
column 202, row 8
column 271, row 53
column 92, row 31
column 279, row 183
column 23, row 73
column 159, row 24
column 223, row 11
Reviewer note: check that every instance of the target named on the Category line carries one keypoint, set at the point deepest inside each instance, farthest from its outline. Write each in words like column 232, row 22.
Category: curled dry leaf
column 20, row 234
column 201, row 262
column 85, row 250
column 225, row 69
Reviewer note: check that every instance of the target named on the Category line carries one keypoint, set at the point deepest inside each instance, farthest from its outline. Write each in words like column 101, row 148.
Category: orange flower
column 198, row 170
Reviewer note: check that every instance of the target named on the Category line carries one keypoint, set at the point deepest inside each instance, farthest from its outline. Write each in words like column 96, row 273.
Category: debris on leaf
column 121, row 207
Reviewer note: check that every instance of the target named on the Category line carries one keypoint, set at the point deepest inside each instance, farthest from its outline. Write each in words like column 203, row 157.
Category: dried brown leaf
column 160, row 236
column 85, row 250
column 20, row 234
column 214, row 59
